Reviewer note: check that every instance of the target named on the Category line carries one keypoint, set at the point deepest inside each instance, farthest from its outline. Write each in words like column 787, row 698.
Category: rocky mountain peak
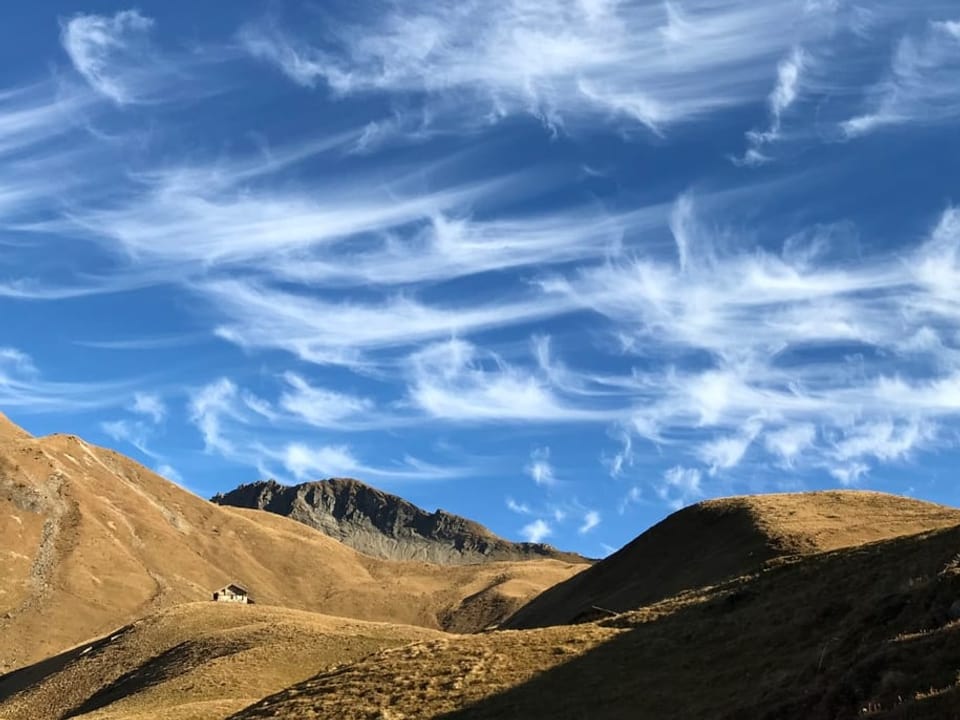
column 384, row 525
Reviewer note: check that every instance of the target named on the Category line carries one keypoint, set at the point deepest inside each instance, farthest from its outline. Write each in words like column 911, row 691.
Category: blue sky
column 560, row 267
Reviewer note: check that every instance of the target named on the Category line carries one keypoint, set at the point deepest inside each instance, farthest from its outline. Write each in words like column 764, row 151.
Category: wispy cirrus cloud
column 518, row 507
column 119, row 59
column 456, row 380
column 36, row 114
column 321, row 407
column 150, row 405
column 539, row 469
column 241, row 427
column 782, row 97
column 680, row 486
column 653, row 64
column 920, row 86
column 536, row 531
column 23, row 387
column 787, row 443
column 232, row 225
column 591, row 519
column 356, row 230
column 110, row 52
column 332, row 332
column 444, row 247
column 150, row 411
column 312, row 462
column 216, row 404
column 134, row 432
column 735, row 347
column 42, row 148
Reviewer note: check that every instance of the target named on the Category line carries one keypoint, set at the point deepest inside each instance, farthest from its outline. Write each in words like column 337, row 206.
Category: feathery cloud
column 133, row 432
column 518, row 508
column 783, row 95
column 653, row 64
column 454, row 380
column 536, row 531
column 24, row 387
column 680, row 486
column 106, row 51
column 208, row 409
column 321, row 407
column 150, row 405
column 787, row 443
column 920, row 86
column 590, row 520
column 726, row 338
column 539, row 469
column 236, row 424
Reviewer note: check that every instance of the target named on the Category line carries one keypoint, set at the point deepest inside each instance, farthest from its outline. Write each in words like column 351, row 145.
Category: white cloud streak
column 308, row 462
column 782, row 97
column 321, row 407
column 235, row 424
column 327, row 332
column 920, row 87
column 591, row 519
column 107, row 51
column 740, row 347
column 680, row 486
column 539, row 469
column 150, row 405
column 135, row 433
column 649, row 63
column 454, row 380
column 517, row 507
column 24, row 387
column 789, row 442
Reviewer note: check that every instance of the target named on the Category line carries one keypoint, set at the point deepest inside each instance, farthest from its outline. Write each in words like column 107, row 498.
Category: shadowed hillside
column 869, row 631
column 90, row 540
column 384, row 525
column 720, row 539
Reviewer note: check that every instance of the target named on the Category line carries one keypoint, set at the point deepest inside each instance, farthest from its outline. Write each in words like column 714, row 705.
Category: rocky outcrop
column 383, row 525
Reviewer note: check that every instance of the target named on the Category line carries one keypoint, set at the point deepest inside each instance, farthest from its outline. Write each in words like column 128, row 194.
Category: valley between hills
column 812, row 605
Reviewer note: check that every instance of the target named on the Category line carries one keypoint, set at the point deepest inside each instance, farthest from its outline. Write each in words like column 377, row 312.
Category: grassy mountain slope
column 719, row 539
column 91, row 540
column 197, row 661
column 869, row 631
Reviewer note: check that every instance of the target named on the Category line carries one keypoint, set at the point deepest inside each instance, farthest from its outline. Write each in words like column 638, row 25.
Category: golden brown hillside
column 9, row 431
column 870, row 631
column 91, row 540
column 199, row 661
column 720, row 539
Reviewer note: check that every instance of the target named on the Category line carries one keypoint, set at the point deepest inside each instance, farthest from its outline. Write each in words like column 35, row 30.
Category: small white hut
column 233, row 593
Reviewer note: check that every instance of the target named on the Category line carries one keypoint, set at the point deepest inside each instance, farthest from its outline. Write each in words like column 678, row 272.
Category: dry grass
column 90, row 540
column 716, row 540
column 818, row 606
column 862, row 632
column 202, row 660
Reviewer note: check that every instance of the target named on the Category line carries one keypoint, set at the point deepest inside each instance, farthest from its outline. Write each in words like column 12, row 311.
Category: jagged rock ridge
column 384, row 525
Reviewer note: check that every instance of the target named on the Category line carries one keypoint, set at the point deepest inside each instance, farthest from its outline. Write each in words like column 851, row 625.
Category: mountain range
column 91, row 540
column 825, row 605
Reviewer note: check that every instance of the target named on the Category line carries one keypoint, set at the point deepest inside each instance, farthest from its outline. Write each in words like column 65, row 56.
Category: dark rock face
column 383, row 525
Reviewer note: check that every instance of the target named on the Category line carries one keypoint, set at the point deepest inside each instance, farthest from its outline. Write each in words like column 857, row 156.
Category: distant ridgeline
column 383, row 525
